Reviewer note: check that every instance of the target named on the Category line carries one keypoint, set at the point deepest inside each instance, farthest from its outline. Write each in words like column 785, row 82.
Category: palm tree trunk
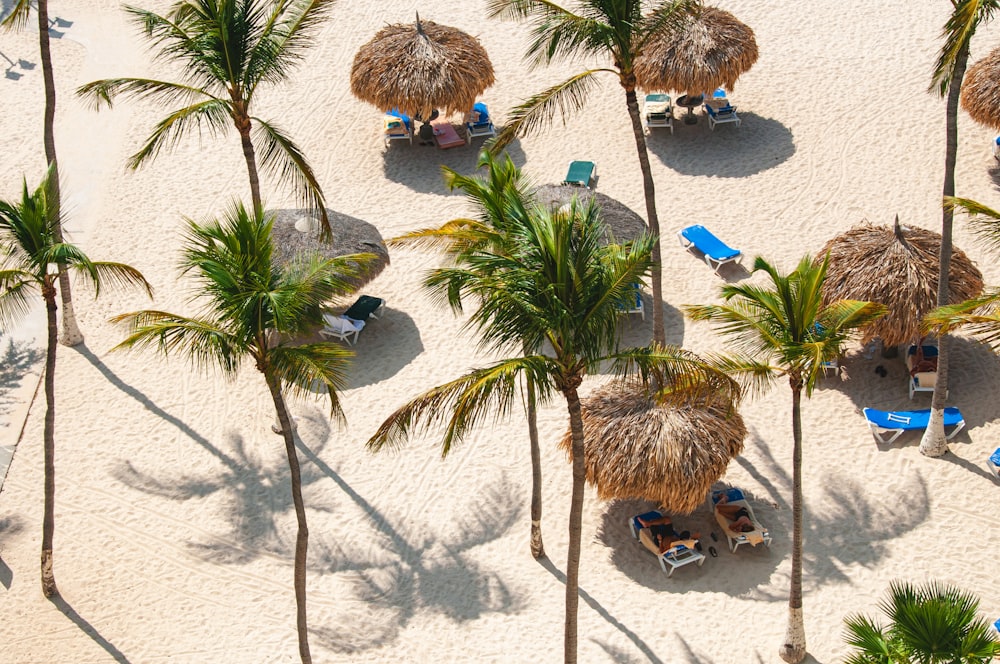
column 537, row 548
column 242, row 121
column 653, row 222
column 302, row 538
column 48, row 511
column 71, row 335
column 575, row 523
column 794, row 648
column 933, row 443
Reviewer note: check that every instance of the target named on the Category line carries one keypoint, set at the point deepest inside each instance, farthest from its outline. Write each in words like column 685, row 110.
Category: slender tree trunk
column 537, row 548
column 933, row 442
column 243, row 126
column 575, row 523
column 71, row 335
column 659, row 333
column 49, row 511
column 794, row 648
column 302, row 538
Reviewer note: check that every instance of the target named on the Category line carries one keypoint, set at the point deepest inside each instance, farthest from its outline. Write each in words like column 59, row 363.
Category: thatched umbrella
column 671, row 455
column 896, row 266
column 981, row 90
column 296, row 232
column 421, row 67
column 622, row 222
column 711, row 50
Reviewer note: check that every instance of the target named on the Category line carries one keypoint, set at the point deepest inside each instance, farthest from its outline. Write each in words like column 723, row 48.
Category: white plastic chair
column 340, row 327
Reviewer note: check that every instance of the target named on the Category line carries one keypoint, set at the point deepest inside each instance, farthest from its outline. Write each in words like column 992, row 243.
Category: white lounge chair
column 397, row 127
column 342, row 328
column 721, row 115
column 657, row 111
column 759, row 535
column 679, row 555
column 478, row 123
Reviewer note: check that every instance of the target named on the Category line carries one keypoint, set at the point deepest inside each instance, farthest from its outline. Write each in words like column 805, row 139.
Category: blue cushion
column 647, row 516
column 484, row 113
column 995, row 457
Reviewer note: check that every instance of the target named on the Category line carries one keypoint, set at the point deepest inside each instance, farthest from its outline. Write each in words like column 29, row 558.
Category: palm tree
column 614, row 30
column 556, row 284
column 32, row 252
column 783, row 331
column 228, row 48
column 947, row 80
column 929, row 624
column 502, row 197
column 253, row 310
column 18, row 18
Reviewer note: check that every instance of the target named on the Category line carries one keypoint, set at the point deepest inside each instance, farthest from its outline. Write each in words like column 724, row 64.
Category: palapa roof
column 981, row 90
column 896, row 266
column 420, row 67
column 711, row 50
column 636, row 448
column 623, row 223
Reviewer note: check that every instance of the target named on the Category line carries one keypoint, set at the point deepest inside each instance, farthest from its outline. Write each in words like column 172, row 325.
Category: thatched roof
column 622, row 221
column 896, row 266
column 350, row 236
column 421, row 67
column 711, row 50
column 981, row 90
column 635, row 448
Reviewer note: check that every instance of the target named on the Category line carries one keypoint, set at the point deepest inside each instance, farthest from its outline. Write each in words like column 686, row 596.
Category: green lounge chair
column 580, row 173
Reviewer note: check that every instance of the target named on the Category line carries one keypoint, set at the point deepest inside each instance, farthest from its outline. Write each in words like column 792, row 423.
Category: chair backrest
column 720, row 93
column 394, row 112
column 732, row 493
column 580, row 172
column 480, row 113
column 711, row 111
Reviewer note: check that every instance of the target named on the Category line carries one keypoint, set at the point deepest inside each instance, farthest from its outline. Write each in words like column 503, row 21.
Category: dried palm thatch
column 622, row 222
column 896, row 266
column 421, row 67
column 711, row 50
column 637, row 448
column 981, row 90
column 350, row 236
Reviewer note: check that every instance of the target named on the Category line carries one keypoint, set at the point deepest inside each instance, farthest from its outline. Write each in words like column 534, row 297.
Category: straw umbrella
column 623, row 223
column 711, row 50
column 421, row 67
column 981, row 90
column 897, row 266
column 671, row 455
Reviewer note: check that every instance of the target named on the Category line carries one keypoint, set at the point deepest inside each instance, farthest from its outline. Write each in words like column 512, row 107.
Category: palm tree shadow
column 9, row 526
column 757, row 145
column 17, row 359
column 88, row 629
column 418, row 167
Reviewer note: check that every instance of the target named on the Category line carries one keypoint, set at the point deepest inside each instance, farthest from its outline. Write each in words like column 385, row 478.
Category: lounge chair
column 478, row 123
column 721, row 116
column 658, row 112
column 896, row 422
column 364, row 307
column 753, row 537
column 716, row 252
column 993, row 461
column 996, row 147
column 397, row 127
column 580, row 173
column 634, row 303
column 341, row 327
column 922, row 368
column 680, row 554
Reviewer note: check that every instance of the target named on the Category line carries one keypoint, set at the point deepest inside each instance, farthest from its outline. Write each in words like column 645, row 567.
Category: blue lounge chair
column 716, row 252
column 896, row 422
column 580, row 173
column 674, row 557
column 633, row 305
column 479, row 123
column 397, row 126
column 721, row 115
column 993, row 461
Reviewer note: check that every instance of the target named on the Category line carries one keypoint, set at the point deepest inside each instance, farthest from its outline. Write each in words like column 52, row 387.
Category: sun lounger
column 758, row 535
column 921, row 381
column 580, row 173
column 721, row 115
column 680, row 554
column 364, row 307
column 342, row 328
column 479, row 123
column 993, row 461
column 896, row 422
column 716, row 252
column 657, row 111
column 445, row 135
column 397, row 126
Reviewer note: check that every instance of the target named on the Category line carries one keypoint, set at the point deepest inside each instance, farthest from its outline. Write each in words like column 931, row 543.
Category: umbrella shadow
column 757, row 145
column 418, row 167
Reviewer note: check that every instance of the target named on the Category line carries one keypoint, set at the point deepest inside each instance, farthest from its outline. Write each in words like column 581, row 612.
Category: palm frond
column 983, row 220
column 304, row 367
column 958, row 30
column 213, row 114
column 105, row 91
column 453, row 236
column 18, row 288
column 103, row 274
column 681, row 377
column 281, row 157
column 522, row 9
column 288, row 31
column 871, row 642
column 203, row 341
column 669, row 16
column 980, row 316
column 17, row 19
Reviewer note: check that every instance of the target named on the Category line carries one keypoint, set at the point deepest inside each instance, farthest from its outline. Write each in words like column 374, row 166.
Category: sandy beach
column 174, row 524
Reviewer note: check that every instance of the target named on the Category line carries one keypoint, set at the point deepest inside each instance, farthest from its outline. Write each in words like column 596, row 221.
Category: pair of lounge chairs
column 893, row 423
column 759, row 534
column 399, row 126
column 682, row 552
column 715, row 252
column 348, row 325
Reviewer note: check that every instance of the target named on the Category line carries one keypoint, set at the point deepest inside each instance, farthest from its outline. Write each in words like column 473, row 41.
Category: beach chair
column 397, row 127
column 478, row 123
column 580, row 173
column 716, row 252
column 996, row 148
column 921, row 365
column 658, row 112
column 680, row 554
column 993, row 461
column 634, row 303
column 721, row 116
column 364, row 307
column 896, row 422
column 759, row 535
column 342, row 328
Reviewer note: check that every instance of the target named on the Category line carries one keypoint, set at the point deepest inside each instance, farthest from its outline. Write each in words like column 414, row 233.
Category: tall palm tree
column 253, row 312
column 615, row 30
column 929, row 624
column 30, row 252
column 18, row 18
column 503, row 199
column 949, row 71
column 560, row 286
column 783, row 331
column 227, row 48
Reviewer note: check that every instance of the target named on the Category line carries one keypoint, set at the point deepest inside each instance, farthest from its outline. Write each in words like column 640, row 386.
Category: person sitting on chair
column 664, row 535
column 737, row 515
column 921, row 363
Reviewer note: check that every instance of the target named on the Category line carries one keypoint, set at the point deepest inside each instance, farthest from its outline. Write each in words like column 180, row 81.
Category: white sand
column 174, row 527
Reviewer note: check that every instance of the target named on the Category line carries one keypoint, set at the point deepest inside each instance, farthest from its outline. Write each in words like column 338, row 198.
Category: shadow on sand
column 419, row 166
column 88, row 629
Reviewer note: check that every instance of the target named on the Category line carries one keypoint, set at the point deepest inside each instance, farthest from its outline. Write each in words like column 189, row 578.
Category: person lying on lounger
column 662, row 530
column 737, row 515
